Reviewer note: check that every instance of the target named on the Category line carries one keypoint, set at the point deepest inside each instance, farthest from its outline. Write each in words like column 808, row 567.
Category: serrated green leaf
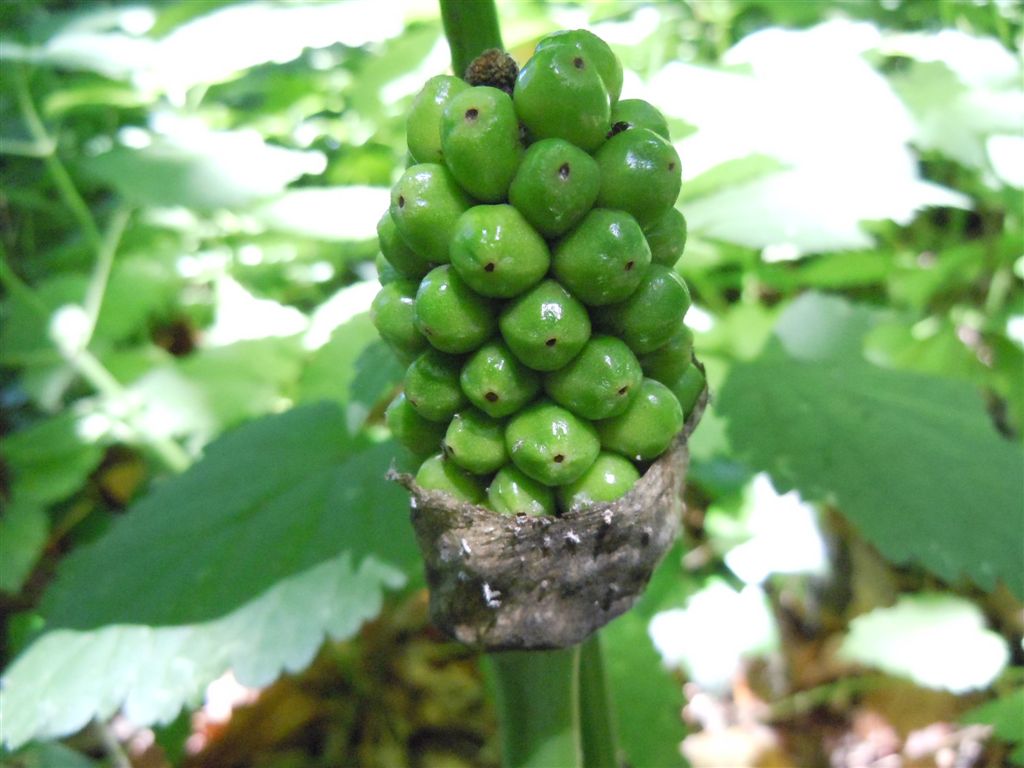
column 936, row 640
column 913, row 460
column 67, row 678
column 23, row 530
column 49, row 461
column 269, row 499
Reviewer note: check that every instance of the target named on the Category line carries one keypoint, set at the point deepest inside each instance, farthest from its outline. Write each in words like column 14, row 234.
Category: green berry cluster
column 528, row 282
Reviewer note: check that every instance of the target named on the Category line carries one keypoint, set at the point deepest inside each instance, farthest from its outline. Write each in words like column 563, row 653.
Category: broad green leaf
column 936, row 640
column 23, row 530
column 269, row 499
column 911, row 459
column 1006, row 716
column 49, row 460
column 67, row 677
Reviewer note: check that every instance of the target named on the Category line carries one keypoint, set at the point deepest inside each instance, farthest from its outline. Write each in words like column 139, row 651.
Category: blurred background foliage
column 193, row 453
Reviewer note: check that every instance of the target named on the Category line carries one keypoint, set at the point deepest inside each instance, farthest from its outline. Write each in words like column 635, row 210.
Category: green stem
column 537, row 698
column 61, row 177
column 471, row 27
column 597, row 729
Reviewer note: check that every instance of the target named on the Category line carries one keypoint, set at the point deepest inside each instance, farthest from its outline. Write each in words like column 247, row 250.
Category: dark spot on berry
column 629, row 265
column 491, row 397
column 471, row 114
column 578, row 62
column 563, row 172
column 672, row 166
column 489, row 267
column 551, row 342
column 623, row 390
column 619, row 127
column 558, row 458
column 401, row 201
column 427, row 331
column 645, row 538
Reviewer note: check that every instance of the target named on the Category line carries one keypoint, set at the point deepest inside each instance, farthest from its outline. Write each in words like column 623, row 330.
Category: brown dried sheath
column 516, row 583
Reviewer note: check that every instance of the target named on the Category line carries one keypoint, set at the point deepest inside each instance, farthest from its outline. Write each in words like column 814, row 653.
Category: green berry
column 432, row 385
column 439, row 474
column 603, row 259
column 451, row 316
column 667, row 237
column 425, row 204
column 602, row 56
column 514, row 493
column 399, row 255
column 669, row 361
column 599, row 382
column 420, row 436
column 637, row 113
column 688, row 387
column 496, row 251
column 496, row 382
column 652, row 315
column 647, row 427
column 423, row 127
column 480, row 141
column 476, row 442
column 640, row 174
column 551, row 444
column 609, row 478
column 385, row 272
column 393, row 315
column 559, row 94
column 546, row 327
column 556, row 184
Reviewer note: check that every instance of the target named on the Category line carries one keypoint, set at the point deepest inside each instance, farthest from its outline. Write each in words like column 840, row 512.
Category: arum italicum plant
column 528, row 282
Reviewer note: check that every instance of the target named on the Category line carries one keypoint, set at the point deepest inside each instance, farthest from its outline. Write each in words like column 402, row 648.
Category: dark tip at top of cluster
column 493, row 67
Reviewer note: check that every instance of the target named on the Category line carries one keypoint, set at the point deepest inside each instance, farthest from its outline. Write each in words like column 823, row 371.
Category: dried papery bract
column 501, row 583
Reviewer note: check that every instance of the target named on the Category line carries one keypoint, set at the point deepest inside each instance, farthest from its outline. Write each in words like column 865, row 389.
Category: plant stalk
column 597, row 728
column 537, row 699
column 471, row 27
column 540, row 696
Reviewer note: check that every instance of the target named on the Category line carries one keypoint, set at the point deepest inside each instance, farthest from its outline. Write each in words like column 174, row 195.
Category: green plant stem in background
column 597, row 730
column 537, row 701
column 471, row 27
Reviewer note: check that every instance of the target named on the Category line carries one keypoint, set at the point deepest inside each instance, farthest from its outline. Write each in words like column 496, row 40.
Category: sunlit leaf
column 937, row 640
column 328, row 213
column 67, row 678
column 912, row 460
column 202, row 169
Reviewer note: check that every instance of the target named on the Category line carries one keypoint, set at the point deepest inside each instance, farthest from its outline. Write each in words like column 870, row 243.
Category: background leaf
column 912, row 460
column 67, row 678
